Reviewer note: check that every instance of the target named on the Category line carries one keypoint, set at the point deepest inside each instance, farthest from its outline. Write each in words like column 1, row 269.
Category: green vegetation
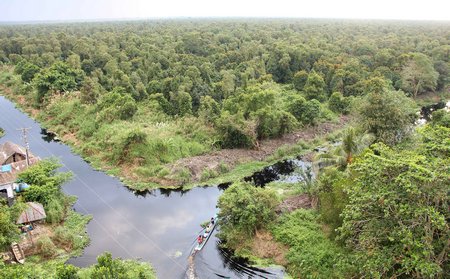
column 244, row 209
column 2, row 132
column 311, row 253
column 140, row 98
column 382, row 212
column 136, row 97
column 106, row 267
column 68, row 235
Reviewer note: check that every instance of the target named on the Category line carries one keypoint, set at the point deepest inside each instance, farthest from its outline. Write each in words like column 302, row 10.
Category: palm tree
column 342, row 155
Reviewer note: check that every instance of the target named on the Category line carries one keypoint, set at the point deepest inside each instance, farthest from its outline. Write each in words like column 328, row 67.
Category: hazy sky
column 31, row 10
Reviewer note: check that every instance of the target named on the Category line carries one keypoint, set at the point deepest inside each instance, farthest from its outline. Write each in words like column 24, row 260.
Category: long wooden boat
column 18, row 253
column 211, row 229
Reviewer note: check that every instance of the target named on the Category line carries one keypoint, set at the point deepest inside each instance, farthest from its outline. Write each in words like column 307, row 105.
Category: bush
column 441, row 117
column 55, row 210
column 311, row 254
column 244, row 209
column 235, row 131
column 338, row 103
column 46, row 247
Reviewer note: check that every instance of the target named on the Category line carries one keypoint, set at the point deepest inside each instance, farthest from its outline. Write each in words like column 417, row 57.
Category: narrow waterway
column 159, row 226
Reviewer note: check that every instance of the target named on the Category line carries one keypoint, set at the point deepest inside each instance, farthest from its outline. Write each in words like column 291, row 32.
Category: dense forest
column 135, row 97
column 138, row 98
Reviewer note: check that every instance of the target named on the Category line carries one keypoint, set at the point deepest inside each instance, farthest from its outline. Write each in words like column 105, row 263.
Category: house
column 34, row 212
column 13, row 160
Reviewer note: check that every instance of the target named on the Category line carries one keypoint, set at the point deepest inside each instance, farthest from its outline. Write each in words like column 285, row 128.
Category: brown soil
column 264, row 246
column 295, row 202
column 231, row 157
column 28, row 242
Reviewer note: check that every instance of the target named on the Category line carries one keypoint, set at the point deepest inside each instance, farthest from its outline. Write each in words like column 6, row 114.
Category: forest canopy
column 189, row 87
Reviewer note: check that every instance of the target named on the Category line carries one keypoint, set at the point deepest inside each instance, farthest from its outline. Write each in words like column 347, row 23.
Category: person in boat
column 199, row 239
column 205, row 235
column 212, row 221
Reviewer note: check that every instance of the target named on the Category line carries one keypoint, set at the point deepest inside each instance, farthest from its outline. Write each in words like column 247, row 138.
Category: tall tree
column 419, row 75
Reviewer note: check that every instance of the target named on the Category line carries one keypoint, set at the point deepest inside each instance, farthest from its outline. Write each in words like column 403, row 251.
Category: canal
column 159, row 226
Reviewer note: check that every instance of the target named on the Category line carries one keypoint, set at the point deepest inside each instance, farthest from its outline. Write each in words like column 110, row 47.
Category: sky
column 80, row 10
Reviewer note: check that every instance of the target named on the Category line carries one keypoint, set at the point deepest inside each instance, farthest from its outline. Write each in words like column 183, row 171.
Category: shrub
column 311, row 254
column 46, row 247
column 235, row 131
column 244, row 209
column 338, row 103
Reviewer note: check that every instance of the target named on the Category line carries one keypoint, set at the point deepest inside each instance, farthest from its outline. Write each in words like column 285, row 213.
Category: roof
column 34, row 212
column 9, row 173
column 8, row 148
column 16, row 168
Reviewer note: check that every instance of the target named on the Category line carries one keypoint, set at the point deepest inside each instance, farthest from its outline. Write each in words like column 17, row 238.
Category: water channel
column 158, row 226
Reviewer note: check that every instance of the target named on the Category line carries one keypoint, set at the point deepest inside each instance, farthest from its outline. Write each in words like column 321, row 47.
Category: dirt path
column 231, row 157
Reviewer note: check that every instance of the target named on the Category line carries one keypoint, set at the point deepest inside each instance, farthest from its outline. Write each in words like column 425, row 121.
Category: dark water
column 157, row 226
column 426, row 111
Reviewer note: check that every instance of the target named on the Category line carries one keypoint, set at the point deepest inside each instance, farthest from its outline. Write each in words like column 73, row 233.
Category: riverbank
column 207, row 165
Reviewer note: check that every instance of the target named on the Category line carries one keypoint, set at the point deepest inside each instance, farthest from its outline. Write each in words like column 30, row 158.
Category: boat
column 211, row 227
column 18, row 253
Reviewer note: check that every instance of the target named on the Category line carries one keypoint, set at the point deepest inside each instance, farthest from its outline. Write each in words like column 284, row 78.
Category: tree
column 116, row 105
column 315, row 87
column 59, row 77
column 8, row 228
column 235, row 131
column 300, row 79
column 338, row 103
column 244, row 209
column 387, row 114
column 90, row 91
column 343, row 154
column 209, row 109
column 311, row 112
column 396, row 214
column 26, row 70
column 419, row 75
column 107, row 267
column 181, row 103
column 45, row 182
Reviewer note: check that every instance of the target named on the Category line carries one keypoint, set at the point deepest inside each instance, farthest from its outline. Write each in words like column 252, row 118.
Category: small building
column 13, row 160
column 34, row 212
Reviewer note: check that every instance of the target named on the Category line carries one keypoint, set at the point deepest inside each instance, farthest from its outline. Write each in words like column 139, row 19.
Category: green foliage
column 418, row 74
column 67, row 271
column 45, row 183
column 441, row 117
column 46, row 247
column 388, row 115
column 300, row 79
column 59, row 77
column 397, row 211
column 306, row 112
column 26, row 70
column 342, row 155
column 338, row 103
column 181, row 103
column 116, row 105
column 8, row 229
column 311, row 112
column 235, row 131
column 311, row 254
column 315, row 87
column 107, row 267
column 2, row 132
column 209, row 109
column 244, row 209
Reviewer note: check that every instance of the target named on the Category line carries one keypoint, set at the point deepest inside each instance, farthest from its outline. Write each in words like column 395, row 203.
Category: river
column 159, row 227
